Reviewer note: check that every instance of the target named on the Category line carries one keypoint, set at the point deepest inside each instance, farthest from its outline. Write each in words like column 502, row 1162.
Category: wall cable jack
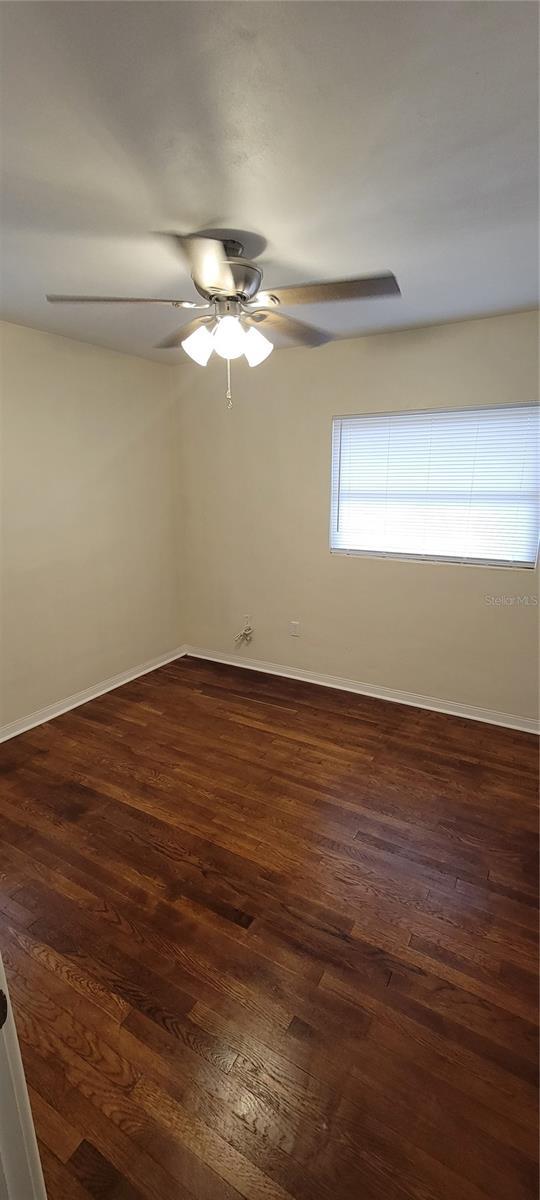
column 245, row 635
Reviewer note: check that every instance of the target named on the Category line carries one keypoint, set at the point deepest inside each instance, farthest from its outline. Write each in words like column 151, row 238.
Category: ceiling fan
column 235, row 306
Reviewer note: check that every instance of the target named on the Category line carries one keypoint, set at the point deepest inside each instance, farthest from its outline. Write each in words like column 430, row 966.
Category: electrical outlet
column 294, row 628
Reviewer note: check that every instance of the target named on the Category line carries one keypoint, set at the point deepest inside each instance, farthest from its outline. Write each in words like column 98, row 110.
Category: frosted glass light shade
column 256, row 347
column 199, row 345
column 229, row 338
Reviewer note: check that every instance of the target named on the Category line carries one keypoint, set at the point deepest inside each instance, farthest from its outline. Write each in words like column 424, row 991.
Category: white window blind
column 458, row 486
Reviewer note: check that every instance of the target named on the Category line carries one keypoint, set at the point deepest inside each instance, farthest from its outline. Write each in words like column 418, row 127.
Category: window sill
column 419, row 558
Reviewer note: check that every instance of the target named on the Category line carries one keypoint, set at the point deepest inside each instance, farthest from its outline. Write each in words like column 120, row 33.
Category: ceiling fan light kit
column 228, row 338
column 230, row 287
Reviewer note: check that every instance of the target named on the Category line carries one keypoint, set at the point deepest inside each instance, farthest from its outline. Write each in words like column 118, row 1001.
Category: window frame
column 392, row 556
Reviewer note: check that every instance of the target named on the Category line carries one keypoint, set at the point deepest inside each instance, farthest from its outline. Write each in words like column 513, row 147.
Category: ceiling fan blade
column 207, row 261
column 173, row 341
column 369, row 287
column 54, row 299
column 295, row 331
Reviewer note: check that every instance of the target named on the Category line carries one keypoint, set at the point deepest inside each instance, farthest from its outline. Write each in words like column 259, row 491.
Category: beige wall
column 89, row 564
column 254, row 485
column 139, row 514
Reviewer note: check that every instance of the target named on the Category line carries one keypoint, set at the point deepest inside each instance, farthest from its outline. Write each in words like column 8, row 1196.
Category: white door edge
column 20, row 1167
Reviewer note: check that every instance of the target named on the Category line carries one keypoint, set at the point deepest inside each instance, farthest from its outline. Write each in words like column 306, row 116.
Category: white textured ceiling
column 353, row 137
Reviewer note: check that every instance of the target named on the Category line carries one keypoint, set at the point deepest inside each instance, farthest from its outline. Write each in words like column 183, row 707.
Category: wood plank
column 60, row 1137
column 267, row 941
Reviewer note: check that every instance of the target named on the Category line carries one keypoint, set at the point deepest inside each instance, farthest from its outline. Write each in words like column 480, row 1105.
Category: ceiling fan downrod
column 233, row 249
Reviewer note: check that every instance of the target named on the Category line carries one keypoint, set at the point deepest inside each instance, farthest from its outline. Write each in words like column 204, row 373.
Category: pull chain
column 228, row 394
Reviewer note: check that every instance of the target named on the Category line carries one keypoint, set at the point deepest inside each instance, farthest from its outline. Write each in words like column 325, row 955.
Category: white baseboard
column 452, row 708
column 98, row 689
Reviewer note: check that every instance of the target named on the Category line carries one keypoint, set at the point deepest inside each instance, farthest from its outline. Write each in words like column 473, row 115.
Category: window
column 458, row 486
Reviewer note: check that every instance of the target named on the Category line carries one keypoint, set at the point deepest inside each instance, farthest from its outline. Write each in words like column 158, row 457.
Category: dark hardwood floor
column 268, row 940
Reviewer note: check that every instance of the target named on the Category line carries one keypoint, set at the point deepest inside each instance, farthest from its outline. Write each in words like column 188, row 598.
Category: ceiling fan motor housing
column 247, row 279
